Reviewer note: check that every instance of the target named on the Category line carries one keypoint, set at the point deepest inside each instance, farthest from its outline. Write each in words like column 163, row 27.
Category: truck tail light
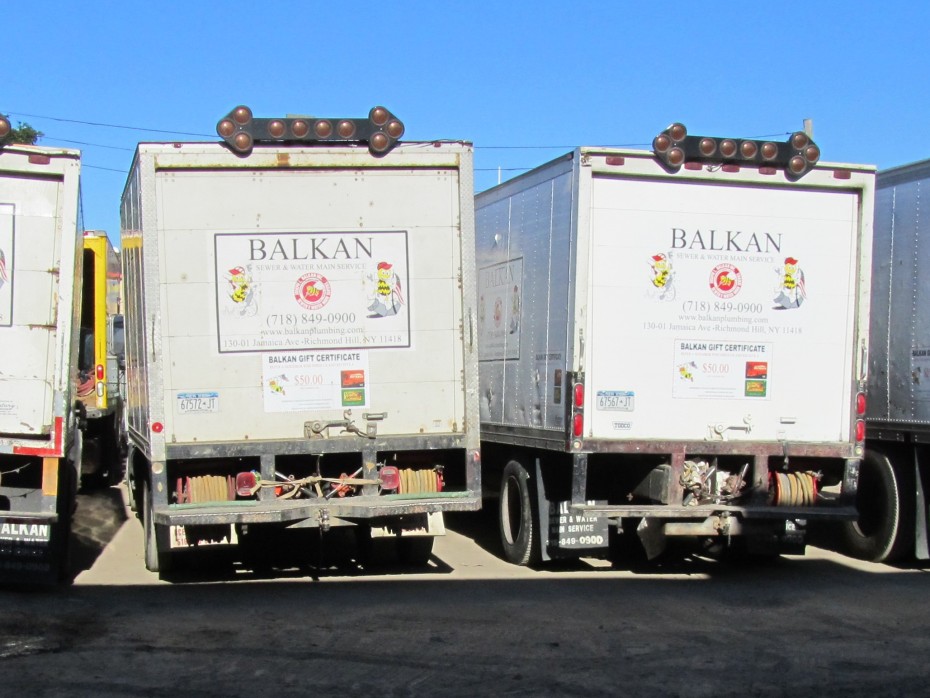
column 390, row 477
column 860, row 430
column 100, row 389
column 99, row 372
column 577, row 407
column 860, row 404
column 246, row 484
column 577, row 425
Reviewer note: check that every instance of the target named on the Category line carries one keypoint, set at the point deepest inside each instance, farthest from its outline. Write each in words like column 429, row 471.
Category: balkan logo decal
column 725, row 280
column 662, row 277
column 312, row 291
column 791, row 290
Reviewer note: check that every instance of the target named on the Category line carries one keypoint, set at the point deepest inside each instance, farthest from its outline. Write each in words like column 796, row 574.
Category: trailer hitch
column 718, row 432
column 316, row 428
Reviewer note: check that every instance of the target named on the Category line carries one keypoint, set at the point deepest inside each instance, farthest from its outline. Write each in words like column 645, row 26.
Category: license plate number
column 619, row 400
column 198, row 402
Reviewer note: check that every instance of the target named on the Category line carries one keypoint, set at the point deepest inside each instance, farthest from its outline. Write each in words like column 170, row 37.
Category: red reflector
column 860, row 430
column 693, row 166
column 860, row 404
column 579, row 394
column 99, row 372
column 767, row 170
column 578, row 425
column 841, row 174
column 390, row 477
column 730, row 168
column 245, row 484
column 615, row 160
column 158, row 427
column 39, row 159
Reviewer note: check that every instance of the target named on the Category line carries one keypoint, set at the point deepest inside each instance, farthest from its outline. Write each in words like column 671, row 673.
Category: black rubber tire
column 884, row 531
column 415, row 551
column 155, row 560
column 518, row 527
column 113, row 455
column 372, row 553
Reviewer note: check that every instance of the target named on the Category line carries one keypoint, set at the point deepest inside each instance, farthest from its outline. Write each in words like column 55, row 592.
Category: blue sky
column 523, row 81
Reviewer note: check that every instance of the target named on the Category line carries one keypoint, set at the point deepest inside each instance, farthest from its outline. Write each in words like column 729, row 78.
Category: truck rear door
column 721, row 311
column 30, row 245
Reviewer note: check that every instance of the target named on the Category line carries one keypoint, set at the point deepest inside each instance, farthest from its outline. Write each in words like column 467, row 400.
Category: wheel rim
column 511, row 511
column 872, row 510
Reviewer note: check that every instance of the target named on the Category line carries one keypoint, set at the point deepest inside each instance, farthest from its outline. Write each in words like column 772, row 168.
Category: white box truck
column 300, row 340
column 673, row 343
column 892, row 497
column 40, row 277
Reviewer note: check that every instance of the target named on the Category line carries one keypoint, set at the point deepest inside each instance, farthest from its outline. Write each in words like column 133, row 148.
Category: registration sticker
column 619, row 400
column 189, row 403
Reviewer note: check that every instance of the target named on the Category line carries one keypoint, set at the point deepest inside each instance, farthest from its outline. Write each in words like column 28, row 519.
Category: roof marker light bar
column 241, row 130
column 674, row 147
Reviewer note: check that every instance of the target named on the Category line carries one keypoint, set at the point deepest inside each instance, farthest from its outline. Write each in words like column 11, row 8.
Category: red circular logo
column 312, row 291
column 725, row 280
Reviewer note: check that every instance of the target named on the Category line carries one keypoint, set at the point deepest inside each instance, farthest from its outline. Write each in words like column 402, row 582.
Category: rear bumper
column 314, row 512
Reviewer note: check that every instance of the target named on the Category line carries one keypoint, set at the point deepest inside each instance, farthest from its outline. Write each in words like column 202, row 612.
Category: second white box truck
column 673, row 343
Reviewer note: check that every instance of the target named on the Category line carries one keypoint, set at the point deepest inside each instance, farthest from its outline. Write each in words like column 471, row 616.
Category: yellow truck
column 100, row 362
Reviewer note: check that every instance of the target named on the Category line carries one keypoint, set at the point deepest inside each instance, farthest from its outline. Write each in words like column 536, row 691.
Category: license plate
column 620, row 400
column 198, row 402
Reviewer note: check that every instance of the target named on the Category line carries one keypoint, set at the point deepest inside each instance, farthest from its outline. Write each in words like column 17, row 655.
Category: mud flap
column 563, row 532
column 651, row 533
column 921, row 544
column 431, row 524
column 27, row 551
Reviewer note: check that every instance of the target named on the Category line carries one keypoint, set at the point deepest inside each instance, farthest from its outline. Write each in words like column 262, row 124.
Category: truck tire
column 884, row 531
column 155, row 560
column 372, row 553
column 113, row 454
column 518, row 528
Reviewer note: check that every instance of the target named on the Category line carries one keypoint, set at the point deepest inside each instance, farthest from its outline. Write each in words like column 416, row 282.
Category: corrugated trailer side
column 300, row 315
column 40, row 274
column 892, row 501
